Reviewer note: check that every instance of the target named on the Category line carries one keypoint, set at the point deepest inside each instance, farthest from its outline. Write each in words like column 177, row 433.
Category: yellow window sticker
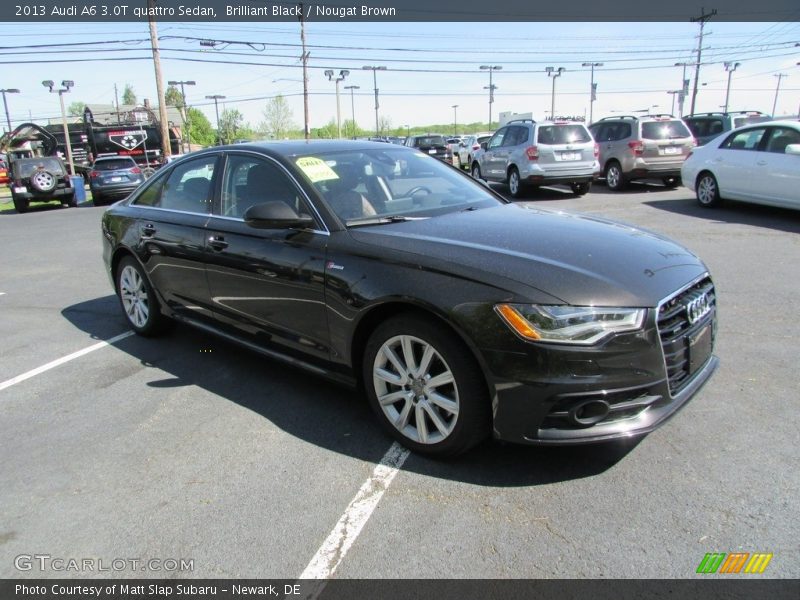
column 316, row 169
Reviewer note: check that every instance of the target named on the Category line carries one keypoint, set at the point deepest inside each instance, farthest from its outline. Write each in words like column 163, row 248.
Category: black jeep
column 40, row 179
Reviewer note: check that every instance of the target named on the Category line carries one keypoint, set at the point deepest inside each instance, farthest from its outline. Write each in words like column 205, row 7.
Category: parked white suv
column 526, row 154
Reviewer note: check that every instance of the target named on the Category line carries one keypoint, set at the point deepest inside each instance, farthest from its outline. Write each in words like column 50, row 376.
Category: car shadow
column 43, row 207
column 769, row 217
column 321, row 413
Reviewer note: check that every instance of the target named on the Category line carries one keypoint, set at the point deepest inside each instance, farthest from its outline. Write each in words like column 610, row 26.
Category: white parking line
column 341, row 538
column 64, row 359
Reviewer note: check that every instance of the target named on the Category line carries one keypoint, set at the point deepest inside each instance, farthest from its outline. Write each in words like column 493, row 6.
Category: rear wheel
column 98, row 199
column 707, row 190
column 671, row 182
column 580, row 189
column 515, row 186
column 614, row 179
column 138, row 300
column 424, row 386
column 21, row 204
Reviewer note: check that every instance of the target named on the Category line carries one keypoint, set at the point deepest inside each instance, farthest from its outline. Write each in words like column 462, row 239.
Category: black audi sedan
column 458, row 314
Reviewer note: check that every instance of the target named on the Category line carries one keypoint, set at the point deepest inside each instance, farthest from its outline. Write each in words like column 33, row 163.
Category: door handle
column 761, row 163
column 217, row 242
column 147, row 230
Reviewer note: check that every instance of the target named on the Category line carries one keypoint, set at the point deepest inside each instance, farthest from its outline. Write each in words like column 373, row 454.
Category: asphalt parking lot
column 187, row 447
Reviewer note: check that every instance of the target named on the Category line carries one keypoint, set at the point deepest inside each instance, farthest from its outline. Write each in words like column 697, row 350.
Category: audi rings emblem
column 698, row 308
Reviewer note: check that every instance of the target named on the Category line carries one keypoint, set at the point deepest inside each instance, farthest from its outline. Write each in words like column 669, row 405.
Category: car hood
column 578, row 259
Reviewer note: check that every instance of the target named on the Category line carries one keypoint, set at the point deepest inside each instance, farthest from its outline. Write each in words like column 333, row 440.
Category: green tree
column 277, row 118
column 230, row 121
column 328, row 132
column 128, row 95
column 384, row 125
column 172, row 97
column 201, row 132
column 75, row 109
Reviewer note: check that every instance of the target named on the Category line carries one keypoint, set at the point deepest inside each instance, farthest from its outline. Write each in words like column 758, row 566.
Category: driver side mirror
column 484, row 145
column 276, row 215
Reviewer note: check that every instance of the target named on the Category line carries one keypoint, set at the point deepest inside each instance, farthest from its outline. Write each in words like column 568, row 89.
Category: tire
column 441, row 420
column 43, row 181
column 137, row 299
column 671, row 182
column 21, row 204
column 707, row 190
column 515, row 187
column 614, row 178
column 98, row 199
column 580, row 189
column 476, row 171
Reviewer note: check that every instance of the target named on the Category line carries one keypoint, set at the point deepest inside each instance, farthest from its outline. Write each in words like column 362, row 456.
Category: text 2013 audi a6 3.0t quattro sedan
column 458, row 314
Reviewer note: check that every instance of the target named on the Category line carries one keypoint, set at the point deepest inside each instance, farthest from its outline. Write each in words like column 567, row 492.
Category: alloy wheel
column 133, row 294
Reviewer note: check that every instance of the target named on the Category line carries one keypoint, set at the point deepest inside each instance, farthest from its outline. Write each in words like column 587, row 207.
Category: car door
column 734, row 164
column 491, row 160
column 172, row 214
column 778, row 173
column 268, row 284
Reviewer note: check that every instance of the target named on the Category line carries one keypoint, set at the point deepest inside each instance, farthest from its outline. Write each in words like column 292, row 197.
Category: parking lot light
column 352, row 89
column 330, row 75
column 5, row 103
column 593, row 86
column 374, row 70
column 65, row 87
column 730, row 68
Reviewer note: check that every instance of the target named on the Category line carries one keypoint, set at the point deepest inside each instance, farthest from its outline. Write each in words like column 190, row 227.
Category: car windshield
column 27, row 168
column 664, row 130
column 114, row 164
column 563, row 134
column 365, row 185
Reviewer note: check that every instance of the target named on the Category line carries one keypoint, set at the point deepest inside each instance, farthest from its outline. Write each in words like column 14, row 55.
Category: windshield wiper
column 382, row 220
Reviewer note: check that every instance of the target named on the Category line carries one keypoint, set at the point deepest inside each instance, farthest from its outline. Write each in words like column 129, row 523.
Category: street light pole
column 593, row 94
column 730, row 68
column 65, row 86
column 5, row 103
column 342, row 74
column 375, row 83
column 455, row 119
column 353, row 104
column 777, row 89
column 185, row 111
column 216, row 98
column 554, row 73
column 684, row 87
column 492, row 87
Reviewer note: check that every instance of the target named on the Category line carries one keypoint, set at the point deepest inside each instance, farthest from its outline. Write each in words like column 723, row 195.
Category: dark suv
column 40, row 179
column 432, row 143
column 707, row 126
column 113, row 178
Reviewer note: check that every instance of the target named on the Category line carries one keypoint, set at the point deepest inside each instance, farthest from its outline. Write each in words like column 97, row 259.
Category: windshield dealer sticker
column 315, row 169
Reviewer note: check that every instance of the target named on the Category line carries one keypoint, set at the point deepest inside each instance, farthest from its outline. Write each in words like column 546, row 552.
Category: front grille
column 676, row 331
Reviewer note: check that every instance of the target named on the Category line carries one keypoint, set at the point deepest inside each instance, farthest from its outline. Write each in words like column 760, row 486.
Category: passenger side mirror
column 793, row 149
column 275, row 215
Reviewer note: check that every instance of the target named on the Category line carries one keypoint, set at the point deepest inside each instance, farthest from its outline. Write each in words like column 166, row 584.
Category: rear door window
column 748, row 139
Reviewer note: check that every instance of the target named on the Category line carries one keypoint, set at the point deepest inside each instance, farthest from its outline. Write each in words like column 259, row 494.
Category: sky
column 430, row 67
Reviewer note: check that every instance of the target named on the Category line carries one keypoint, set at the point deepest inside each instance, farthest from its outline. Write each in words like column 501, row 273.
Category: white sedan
column 756, row 163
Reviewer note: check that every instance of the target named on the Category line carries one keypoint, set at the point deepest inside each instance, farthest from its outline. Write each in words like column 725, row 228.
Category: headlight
column 582, row 325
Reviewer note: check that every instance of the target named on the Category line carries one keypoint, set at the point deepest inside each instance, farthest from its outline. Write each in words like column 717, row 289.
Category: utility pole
column 455, row 119
column 5, row 103
column 374, row 70
column 162, row 103
column 216, row 98
column 704, row 16
column 116, row 101
column 593, row 93
column 777, row 89
column 730, row 68
column 305, row 72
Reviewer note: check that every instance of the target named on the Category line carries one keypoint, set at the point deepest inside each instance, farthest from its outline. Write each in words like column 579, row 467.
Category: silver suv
column 642, row 147
column 526, row 154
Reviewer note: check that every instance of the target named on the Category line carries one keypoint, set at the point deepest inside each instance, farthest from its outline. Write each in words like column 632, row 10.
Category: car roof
column 289, row 148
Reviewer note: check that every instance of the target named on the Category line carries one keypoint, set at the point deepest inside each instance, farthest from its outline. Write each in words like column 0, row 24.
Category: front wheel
column 21, row 204
column 424, row 386
column 138, row 300
column 476, row 171
column 580, row 189
column 707, row 190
